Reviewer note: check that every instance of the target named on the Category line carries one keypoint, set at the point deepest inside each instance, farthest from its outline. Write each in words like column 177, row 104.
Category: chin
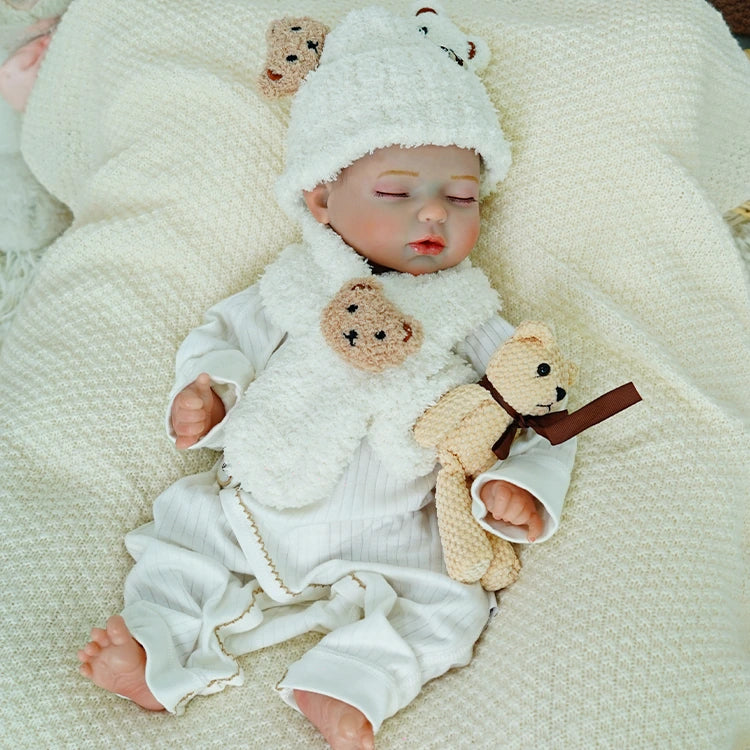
column 427, row 264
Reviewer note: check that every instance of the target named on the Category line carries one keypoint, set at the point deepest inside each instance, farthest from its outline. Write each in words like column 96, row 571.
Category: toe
column 350, row 727
column 117, row 630
column 99, row 637
column 354, row 732
column 90, row 651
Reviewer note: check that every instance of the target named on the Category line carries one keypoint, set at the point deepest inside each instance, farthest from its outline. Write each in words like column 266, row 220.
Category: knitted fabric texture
column 629, row 122
column 30, row 218
column 468, row 423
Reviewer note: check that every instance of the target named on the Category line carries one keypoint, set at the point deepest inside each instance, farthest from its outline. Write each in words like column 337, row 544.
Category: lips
column 430, row 245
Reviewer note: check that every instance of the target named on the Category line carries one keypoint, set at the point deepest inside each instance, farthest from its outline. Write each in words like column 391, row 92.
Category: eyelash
column 453, row 199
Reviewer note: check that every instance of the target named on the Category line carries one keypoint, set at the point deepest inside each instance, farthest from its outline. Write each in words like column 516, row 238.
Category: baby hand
column 510, row 504
column 195, row 411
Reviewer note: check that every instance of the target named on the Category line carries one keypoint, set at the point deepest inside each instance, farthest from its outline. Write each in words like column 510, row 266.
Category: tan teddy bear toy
column 465, row 424
column 473, row 425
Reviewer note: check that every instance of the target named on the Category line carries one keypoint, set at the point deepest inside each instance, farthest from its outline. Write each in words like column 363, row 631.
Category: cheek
column 378, row 228
column 471, row 232
column 351, row 214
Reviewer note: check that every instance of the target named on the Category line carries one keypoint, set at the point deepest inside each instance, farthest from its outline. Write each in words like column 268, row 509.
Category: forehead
column 444, row 162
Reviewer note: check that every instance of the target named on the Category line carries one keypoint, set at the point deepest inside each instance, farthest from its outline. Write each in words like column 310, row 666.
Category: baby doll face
column 413, row 210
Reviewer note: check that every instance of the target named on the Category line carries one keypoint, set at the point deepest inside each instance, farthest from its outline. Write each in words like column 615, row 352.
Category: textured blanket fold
column 628, row 124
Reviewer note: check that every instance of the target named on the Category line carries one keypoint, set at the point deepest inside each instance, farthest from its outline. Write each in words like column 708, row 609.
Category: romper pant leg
column 415, row 625
column 193, row 603
column 190, row 580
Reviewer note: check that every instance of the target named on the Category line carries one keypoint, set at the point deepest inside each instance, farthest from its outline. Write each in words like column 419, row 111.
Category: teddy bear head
column 530, row 372
column 365, row 328
column 473, row 54
column 294, row 46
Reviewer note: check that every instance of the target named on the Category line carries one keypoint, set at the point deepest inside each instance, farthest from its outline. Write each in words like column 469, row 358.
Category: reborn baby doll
column 320, row 514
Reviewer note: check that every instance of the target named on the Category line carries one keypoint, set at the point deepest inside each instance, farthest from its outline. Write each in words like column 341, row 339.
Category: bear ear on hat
column 293, row 49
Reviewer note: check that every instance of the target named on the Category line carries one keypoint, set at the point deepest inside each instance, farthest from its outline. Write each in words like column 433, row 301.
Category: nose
column 432, row 210
column 560, row 393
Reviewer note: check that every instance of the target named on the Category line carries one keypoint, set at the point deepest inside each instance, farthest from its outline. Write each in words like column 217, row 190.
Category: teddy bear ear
column 421, row 8
column 366, row 283
column 479, row 54
column 534, row 329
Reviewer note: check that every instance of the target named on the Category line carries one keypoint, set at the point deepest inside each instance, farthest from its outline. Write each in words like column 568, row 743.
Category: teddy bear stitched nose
column 351, row 336
column 560, row 393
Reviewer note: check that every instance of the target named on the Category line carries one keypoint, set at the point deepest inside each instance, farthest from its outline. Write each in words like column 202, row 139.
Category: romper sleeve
column 533, row 463
column 233, row 344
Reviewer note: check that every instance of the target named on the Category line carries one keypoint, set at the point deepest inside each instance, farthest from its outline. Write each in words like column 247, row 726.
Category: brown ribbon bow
column 559, row 426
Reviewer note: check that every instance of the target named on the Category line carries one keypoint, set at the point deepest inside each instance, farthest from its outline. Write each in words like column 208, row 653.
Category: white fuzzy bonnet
column 382, row 82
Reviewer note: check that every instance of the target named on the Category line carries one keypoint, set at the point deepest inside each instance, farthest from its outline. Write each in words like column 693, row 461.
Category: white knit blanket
column 629, row 124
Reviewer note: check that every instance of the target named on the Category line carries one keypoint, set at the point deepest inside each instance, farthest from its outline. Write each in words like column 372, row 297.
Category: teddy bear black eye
column 543, row 370
column 423, row 29
column 296, row 28
column 380, row 335
column 352, row 309
column 292, row 58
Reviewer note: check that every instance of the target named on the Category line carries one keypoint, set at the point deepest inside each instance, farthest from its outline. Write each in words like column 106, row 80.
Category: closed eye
column 461, row 201
column 383, row 194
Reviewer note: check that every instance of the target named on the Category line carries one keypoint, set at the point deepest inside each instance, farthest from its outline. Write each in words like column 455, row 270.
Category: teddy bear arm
column 472, row 440
column 442, row 419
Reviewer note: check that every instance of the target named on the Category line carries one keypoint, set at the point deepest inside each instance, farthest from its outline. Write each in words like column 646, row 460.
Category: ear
column 317, row 201
column 533, row 329
column 366, row 283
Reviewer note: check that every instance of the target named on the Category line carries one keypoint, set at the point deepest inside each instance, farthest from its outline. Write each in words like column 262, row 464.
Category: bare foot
column 343, row 726
column 115, row 661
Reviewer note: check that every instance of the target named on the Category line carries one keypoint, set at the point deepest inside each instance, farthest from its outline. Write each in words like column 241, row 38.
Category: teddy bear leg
column 466, row 549
column 504, row 567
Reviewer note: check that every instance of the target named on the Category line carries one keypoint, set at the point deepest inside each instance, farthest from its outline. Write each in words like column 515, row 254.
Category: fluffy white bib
column 297, row 426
